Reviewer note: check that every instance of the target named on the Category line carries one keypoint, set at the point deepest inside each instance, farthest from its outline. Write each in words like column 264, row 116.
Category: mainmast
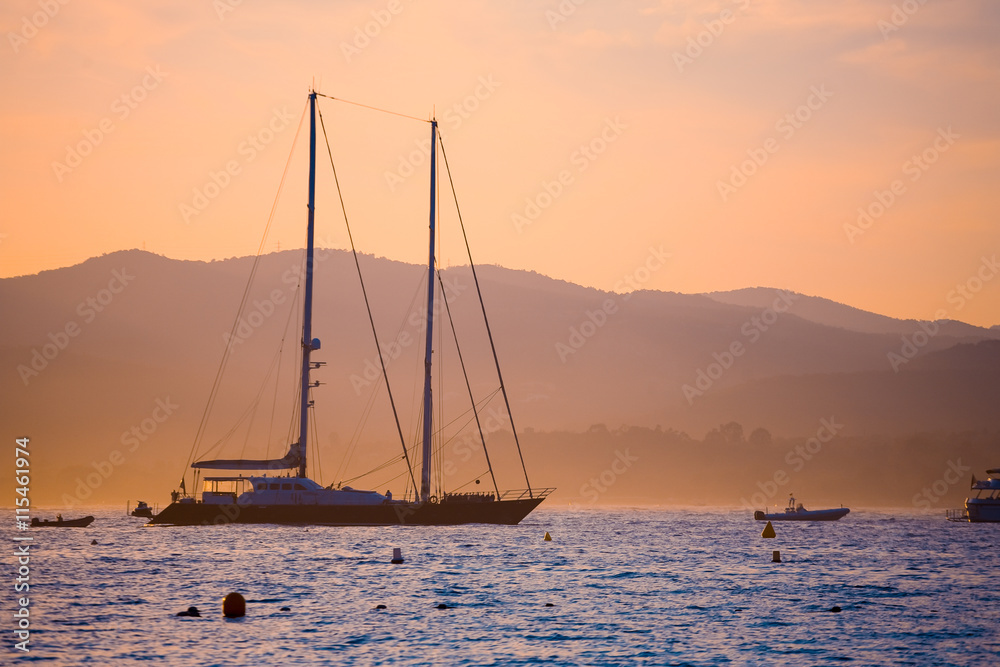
column 308, row 342
column 425, row 471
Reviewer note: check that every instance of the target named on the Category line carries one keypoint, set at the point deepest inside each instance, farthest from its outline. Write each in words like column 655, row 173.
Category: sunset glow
column 848, row 151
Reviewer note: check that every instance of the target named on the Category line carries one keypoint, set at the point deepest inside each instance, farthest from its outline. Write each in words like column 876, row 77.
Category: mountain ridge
column 98, row 344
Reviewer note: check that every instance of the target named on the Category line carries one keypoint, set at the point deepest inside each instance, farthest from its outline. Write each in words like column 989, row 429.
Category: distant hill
column 824, row 311
column 92, row 353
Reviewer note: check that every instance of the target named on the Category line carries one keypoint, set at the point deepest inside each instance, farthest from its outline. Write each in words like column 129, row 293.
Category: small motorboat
column 60, row 522
column 143, row 510
column 796, row 512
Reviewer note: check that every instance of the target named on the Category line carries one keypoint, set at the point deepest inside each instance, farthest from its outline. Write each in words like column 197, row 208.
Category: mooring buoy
column 234, row 605
column 397, row 556
column 775, row 556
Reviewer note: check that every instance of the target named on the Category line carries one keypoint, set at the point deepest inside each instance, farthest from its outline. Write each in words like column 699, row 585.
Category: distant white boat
column 796, row 512
column 985, row 507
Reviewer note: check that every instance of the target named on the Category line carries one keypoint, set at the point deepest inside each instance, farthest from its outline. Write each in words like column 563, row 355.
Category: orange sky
column 824, row 105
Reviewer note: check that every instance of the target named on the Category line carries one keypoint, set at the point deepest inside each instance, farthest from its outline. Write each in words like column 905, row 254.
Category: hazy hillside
column 824, row 311
column 92, row 354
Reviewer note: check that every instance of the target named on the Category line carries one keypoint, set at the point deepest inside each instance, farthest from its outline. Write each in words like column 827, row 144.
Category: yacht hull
column 504, row 512
column 984, row 513
column 977, row 512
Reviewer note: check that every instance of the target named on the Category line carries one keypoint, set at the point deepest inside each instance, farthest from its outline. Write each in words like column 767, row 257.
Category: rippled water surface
column 627, row 586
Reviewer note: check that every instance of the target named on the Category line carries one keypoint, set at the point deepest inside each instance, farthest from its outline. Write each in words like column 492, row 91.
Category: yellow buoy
column 234, row 606
column 768, row 530
column 548, row 538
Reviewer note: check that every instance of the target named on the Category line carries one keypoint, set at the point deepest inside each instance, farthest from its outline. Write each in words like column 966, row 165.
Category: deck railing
column 521, row 494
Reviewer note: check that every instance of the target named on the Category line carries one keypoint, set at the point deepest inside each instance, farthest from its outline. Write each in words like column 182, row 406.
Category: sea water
column 622, row 586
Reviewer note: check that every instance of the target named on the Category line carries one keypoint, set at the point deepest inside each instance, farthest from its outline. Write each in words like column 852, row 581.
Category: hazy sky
column 742, row 138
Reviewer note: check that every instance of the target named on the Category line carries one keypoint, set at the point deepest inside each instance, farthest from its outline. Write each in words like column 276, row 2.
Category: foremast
column 308, row 342
column 425, row 469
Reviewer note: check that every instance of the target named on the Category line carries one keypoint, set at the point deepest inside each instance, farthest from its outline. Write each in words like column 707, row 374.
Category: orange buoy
column 768, row 530
column 234, row 606
column 547, row 538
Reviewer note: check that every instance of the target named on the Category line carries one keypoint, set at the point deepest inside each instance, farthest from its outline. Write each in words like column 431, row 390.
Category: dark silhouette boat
column 142, row 510
column 294, row 498
column 796, row 512
column 60, row 522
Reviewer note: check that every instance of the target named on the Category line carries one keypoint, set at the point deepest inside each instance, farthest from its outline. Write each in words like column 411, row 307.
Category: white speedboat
column 796, row 512
column 985, row 506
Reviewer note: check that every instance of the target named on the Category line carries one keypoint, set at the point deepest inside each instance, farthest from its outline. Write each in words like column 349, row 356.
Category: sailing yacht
column 294, row 498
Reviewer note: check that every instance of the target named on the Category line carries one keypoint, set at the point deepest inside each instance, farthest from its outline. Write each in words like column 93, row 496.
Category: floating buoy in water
column 234, row 606
column 380, row 606
column 397, row 556
column 191, row 611
column 835, row 609
column 443, row 606
column 93, row 541
column 549, row 604
column 548, row 538
column 775, row 556
column 768, row 530
column 286, row 609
